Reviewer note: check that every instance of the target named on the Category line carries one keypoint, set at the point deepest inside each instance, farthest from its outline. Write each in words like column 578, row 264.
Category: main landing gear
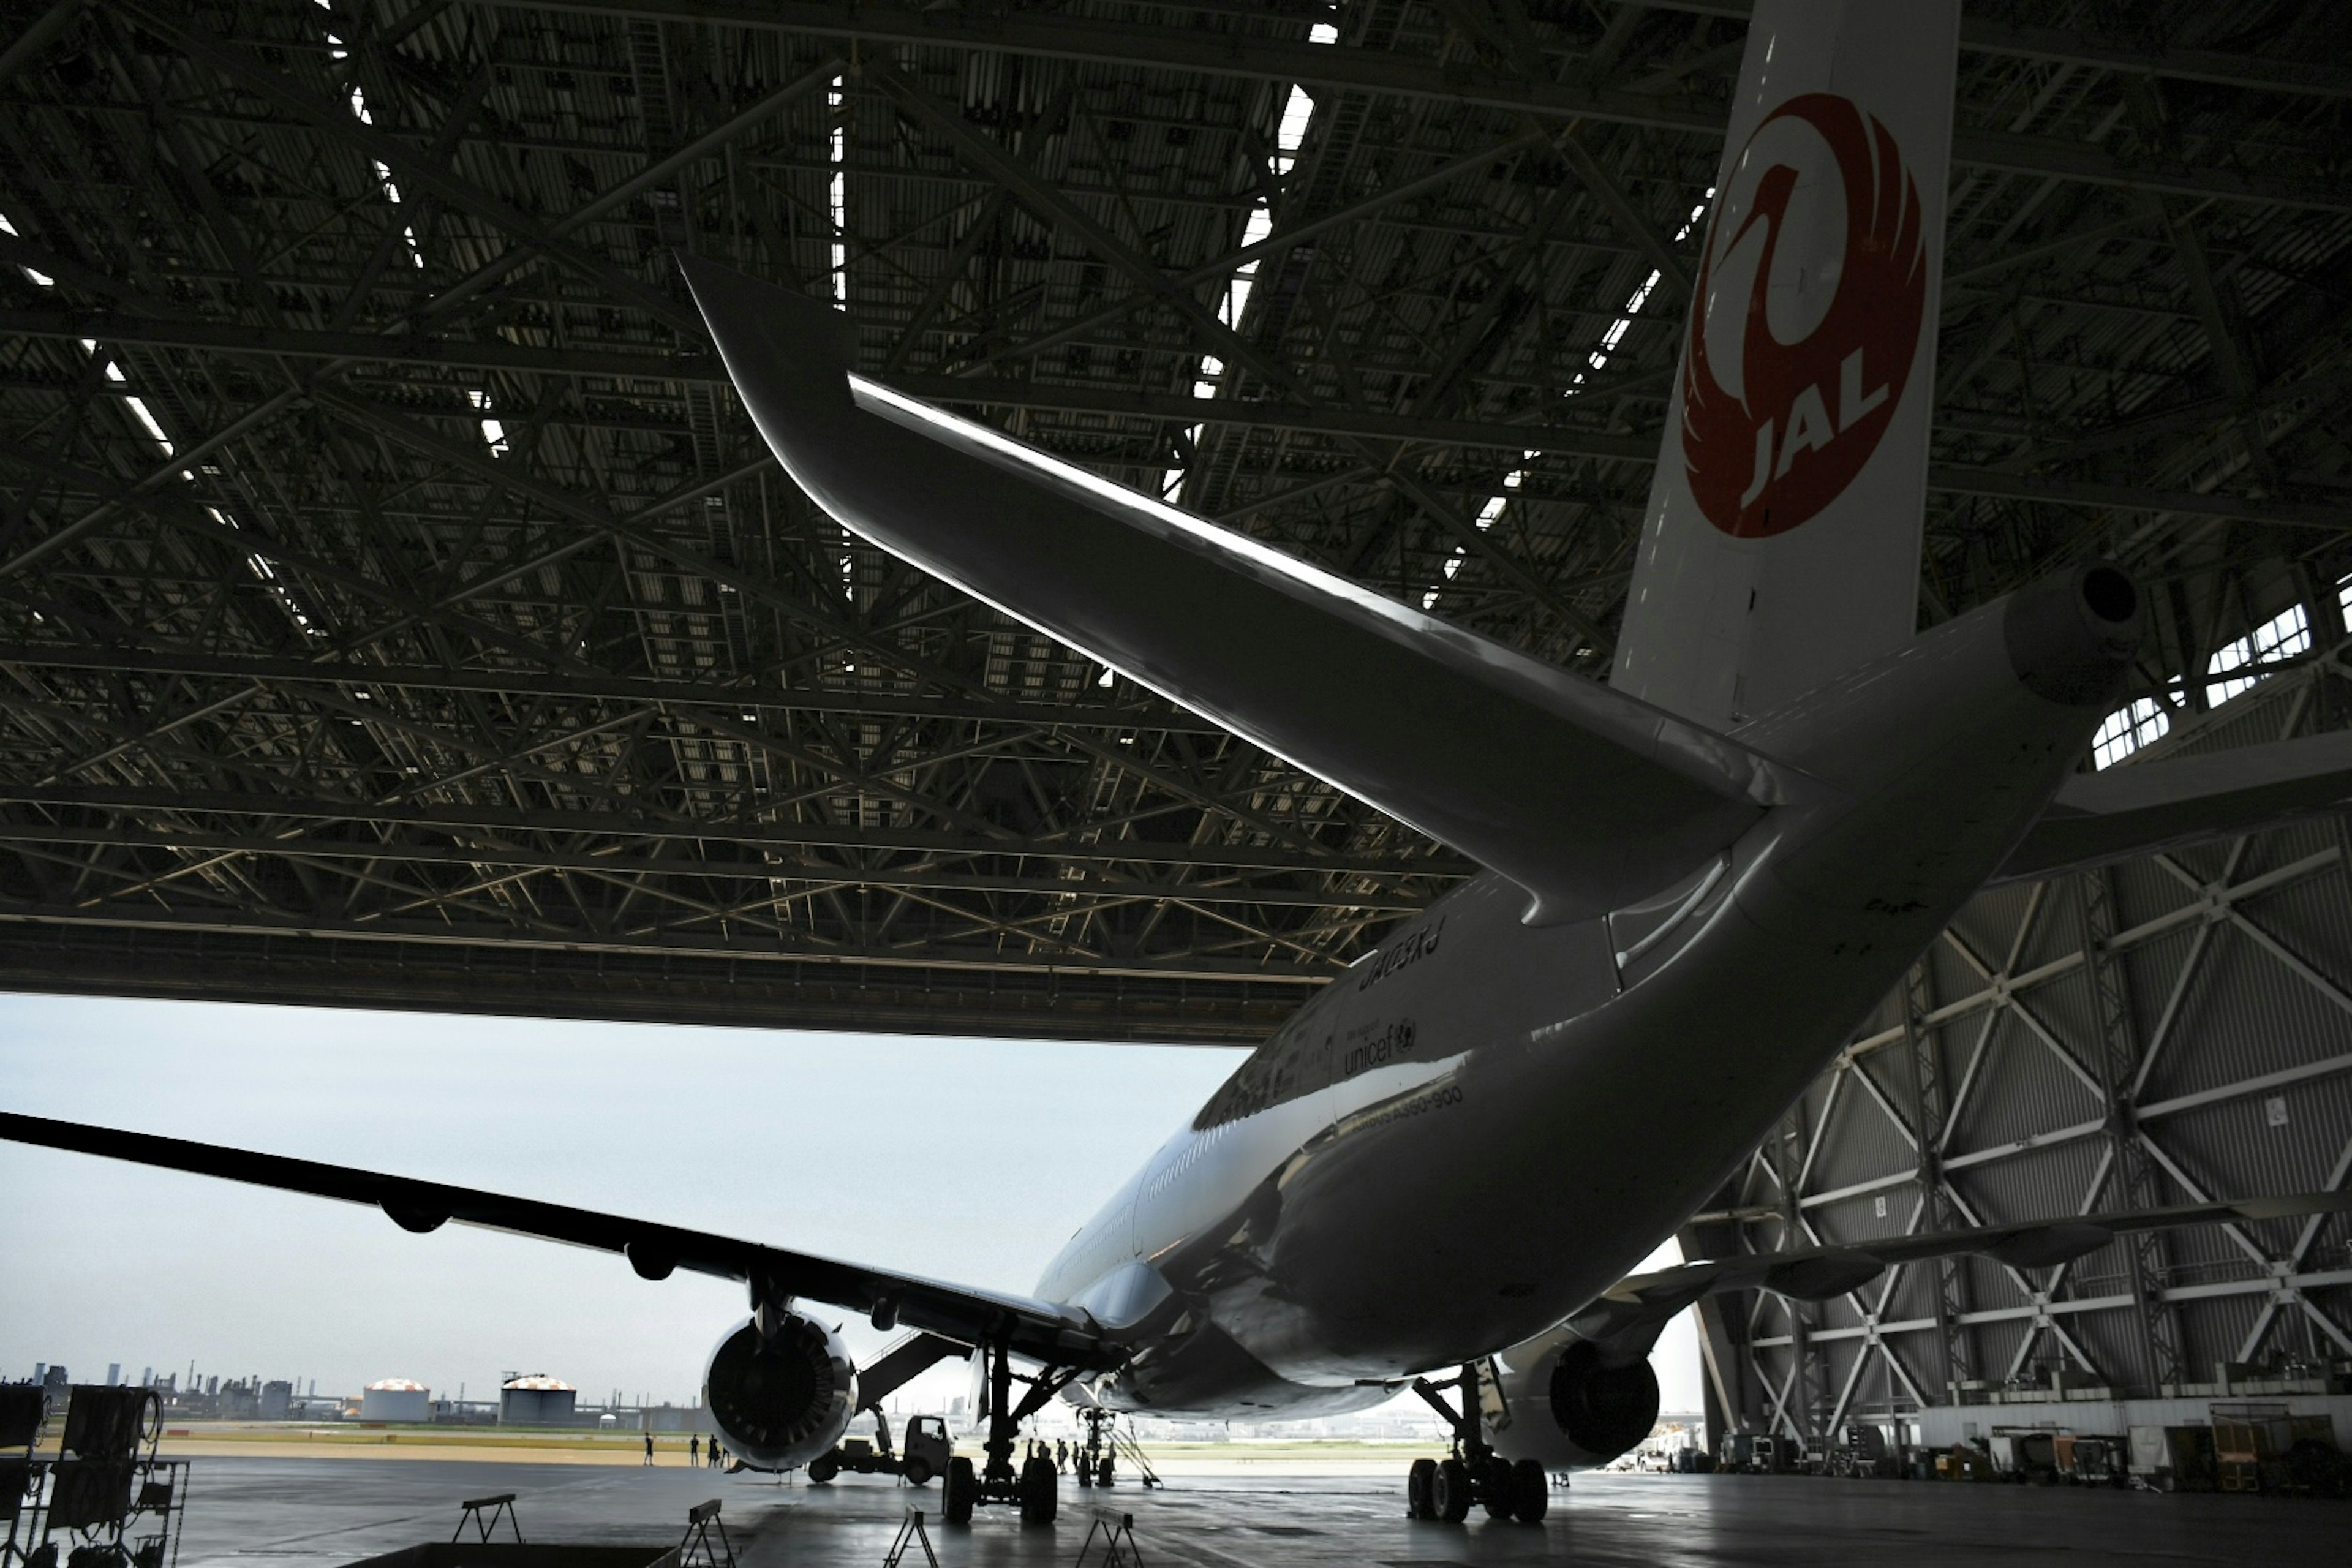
column 1035, row 1485
column 1097, row 1456
column 1472, row 1475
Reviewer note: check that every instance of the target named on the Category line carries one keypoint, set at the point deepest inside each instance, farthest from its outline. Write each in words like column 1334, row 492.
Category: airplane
column 1698, row 876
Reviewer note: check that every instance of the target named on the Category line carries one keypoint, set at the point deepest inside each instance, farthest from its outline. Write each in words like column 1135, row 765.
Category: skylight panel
column 1595, row 361
column 267, row 575
column 41, row 278
column 1289, row 136
column 357, row 101
column 2282, row 637
column 837, row 190
column 139, row 411
column 2127, row 729
column 494, row 432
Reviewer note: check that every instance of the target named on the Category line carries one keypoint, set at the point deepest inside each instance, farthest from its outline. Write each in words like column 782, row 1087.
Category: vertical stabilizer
column 1781, row 544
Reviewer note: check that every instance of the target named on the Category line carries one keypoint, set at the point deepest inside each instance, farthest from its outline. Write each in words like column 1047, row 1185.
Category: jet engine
column 781, row 1399
column 1601, row 1409
column 1574, row 1405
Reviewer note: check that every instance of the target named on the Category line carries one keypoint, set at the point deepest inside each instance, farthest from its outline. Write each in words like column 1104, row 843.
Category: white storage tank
column 395, row 1399
column 536, row 1400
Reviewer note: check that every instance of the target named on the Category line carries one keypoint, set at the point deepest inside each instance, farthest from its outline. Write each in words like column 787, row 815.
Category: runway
column 250, row 1512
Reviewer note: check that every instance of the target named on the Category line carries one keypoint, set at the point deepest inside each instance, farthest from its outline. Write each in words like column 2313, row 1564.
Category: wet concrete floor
column 314, row 1513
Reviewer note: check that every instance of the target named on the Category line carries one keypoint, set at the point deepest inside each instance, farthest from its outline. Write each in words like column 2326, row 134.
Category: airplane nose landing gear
column 1472, row 1475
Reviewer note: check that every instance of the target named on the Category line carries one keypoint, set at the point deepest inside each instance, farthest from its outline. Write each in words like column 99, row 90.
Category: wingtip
column 753, row 316
column 789, row 355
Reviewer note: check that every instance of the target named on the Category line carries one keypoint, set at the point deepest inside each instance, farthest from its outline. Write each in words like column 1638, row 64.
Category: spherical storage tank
column 537, row 1400
column 395, row 1399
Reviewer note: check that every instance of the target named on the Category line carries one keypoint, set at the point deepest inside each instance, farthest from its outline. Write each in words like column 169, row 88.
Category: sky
column 961, row 1159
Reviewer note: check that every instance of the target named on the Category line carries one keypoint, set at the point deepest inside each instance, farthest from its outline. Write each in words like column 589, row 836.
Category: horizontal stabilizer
column 1041, row 1330
column 2136, row 807
column 1586, row 797
column 1638, row 1306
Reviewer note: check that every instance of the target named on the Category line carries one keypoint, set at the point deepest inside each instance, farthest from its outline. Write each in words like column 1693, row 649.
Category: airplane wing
column 1586, row 797
column 2136, row 807
column 1640, row 1303
column 1039, row 1329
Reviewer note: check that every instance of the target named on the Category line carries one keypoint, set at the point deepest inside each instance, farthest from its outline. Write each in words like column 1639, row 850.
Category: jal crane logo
column 1810, row 297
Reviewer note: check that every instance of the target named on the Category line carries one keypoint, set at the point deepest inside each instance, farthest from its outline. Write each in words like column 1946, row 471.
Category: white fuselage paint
column 1438, row 1159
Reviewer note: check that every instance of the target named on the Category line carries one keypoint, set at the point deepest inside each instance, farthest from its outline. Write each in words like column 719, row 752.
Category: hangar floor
column 308, row 1513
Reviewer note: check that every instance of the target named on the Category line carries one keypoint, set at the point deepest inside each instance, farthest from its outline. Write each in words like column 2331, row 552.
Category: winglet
column 1586, row 797
column 789, row 355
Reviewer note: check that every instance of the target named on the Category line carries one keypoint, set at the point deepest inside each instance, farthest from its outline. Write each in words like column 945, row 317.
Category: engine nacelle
column 1600, row 1410
column 1573, row 1406
column 781, row 1401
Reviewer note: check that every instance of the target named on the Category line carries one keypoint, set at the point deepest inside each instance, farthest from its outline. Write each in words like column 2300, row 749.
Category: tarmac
column 281, row 1512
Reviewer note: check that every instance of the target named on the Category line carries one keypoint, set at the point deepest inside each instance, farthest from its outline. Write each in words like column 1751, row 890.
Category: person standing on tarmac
column 694, row 1450
column 649, row 1448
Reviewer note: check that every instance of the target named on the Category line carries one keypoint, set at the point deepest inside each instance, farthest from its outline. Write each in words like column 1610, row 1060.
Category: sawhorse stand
column 694, row 1548
column 911, row 1535
column 1119, row 1550
column 483, row 1522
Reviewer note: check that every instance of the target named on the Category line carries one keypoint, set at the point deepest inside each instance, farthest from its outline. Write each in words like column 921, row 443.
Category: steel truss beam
column 148, row 803
column 1039, row 237
column 1551, row 440
column 1464, row 83
column 2139, row 1325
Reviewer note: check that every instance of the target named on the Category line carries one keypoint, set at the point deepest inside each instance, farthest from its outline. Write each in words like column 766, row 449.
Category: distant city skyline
column 960, row 1159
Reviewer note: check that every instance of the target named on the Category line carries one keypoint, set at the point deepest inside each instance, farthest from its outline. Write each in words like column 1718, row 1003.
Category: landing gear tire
column 1449, row 1496
column 1530, row 1492
column 1496, row 1490
column 1103, row 1472
column 962, row 1490
column 1085, row 1473
column 1040, row 1492
column 822, row 1469
column 918, row 1473
column 1418, row 1483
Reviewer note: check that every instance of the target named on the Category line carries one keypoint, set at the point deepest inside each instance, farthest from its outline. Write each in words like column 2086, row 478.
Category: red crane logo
column 1809, row 302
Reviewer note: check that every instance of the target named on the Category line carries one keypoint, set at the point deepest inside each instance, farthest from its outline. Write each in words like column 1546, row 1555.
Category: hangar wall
column 2168, row 1029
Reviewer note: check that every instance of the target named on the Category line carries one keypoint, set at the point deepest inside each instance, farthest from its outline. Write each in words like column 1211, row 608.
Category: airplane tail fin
column 1782, row 544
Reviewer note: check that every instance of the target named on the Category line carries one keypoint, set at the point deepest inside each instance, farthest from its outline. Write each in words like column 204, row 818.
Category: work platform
column 313, row 1513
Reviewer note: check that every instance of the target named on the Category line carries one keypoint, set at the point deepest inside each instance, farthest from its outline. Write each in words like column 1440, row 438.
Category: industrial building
column 399, row 607
column 395, row 1399
column 536, row 1400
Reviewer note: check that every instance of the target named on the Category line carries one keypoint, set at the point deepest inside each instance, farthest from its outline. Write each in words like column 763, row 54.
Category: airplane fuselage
column 1477, row 1130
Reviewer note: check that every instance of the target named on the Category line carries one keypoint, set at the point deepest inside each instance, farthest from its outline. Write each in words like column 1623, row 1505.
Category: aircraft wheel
column 1084, row 1472
column 822, row 1469
column 1496, row 1489
column 1530, row 1492
column 962, row 1490
column 1040, row 1492
column 1418, row 1481
column 918, row 1472
column 1103, row 1472
column 1450, row 1496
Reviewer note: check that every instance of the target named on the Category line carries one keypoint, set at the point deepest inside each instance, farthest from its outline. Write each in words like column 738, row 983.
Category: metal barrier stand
column 911, row 1534
column 471, row 1509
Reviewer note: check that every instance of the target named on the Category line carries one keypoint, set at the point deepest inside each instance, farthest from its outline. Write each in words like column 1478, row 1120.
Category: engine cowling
column 1572, row 1405
column 783, row 1400
column 1601, row 1410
